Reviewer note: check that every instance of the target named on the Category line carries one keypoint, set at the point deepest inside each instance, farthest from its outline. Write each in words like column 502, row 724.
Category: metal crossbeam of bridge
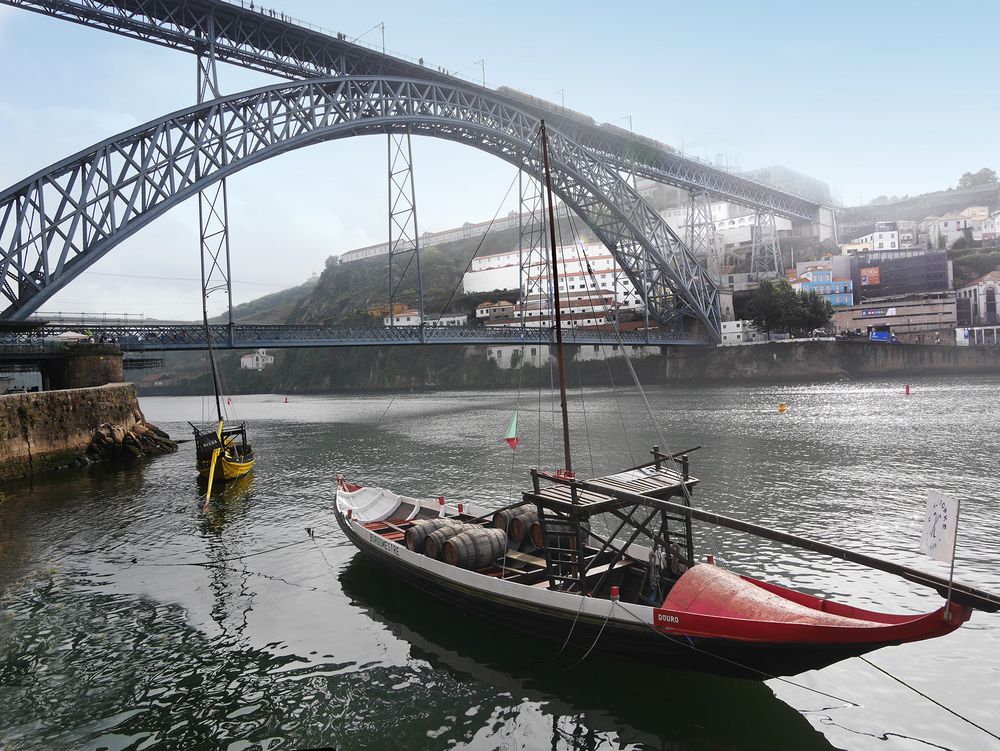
column 256, row 38
column 167, row 337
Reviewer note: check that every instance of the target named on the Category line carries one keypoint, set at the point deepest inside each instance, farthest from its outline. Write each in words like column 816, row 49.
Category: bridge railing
column 156, row 337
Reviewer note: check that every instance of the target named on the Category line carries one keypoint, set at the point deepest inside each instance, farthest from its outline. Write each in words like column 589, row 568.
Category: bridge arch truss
column 58, row 222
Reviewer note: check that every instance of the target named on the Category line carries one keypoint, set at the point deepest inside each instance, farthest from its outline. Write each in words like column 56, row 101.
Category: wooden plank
column 598, row 570
column 534, row 560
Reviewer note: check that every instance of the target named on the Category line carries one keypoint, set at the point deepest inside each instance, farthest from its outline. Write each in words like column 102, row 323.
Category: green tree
column 816, row 311
column 985, row 176
column 776, row 306
column 773, row 306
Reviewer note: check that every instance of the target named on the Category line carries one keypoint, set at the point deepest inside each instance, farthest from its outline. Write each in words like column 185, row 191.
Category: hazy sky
column 871, row 97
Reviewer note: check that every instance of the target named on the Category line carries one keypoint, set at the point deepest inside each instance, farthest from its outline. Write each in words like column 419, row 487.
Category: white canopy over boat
column 373, row 504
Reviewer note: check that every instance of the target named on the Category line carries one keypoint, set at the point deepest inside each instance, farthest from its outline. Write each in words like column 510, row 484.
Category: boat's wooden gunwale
column 565, row 602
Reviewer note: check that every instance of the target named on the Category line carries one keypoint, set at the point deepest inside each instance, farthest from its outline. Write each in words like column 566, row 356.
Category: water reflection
column 229, row 575
column 130, row 616
column 599, row 702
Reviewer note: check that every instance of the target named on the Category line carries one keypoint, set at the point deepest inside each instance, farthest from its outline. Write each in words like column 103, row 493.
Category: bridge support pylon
column 700, row 234
column 213, row 203
column 404, row 236
column 765, row 259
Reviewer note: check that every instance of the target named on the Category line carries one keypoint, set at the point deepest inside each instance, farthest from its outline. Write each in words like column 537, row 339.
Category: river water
column 132, row 618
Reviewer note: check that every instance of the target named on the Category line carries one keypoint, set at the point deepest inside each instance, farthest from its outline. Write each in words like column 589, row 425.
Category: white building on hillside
column 406, row 318
column 987, row 229
column 733, row 224
column 501, row 271
column 880, row 239
column 740, row 332
column 578, row 309
column 457, row 319
column 943, row 231
column 256, row 360
column 539, row 355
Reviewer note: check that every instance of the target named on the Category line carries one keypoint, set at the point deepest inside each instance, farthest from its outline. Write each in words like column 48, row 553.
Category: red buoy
column 614, row 594
column 907, row 389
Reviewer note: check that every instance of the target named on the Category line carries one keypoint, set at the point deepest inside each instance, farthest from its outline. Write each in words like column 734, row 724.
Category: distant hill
column 854, row 221
column 342, row 294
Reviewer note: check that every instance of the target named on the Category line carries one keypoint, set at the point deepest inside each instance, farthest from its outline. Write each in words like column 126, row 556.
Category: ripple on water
column 109, row 636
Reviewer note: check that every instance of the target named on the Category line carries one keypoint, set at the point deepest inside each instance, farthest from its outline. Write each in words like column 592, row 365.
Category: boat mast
column 555, row 294
column 208, row 339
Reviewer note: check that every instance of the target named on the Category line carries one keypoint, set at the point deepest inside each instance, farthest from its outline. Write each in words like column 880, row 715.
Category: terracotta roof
column 992, row 276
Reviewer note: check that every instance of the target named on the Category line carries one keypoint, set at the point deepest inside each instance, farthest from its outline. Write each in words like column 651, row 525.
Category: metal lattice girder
column 404, row 235
column 765, row 259
column 141, row 337
column 58, row 222
column 699, row 232
column 213, row 203
column 533, row 278
column 257, row 40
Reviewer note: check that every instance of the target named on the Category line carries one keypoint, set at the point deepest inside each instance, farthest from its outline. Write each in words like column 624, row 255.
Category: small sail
column 511, row 435
column 940, row 527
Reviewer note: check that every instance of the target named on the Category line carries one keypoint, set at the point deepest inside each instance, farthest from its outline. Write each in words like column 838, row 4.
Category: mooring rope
column 763, row 674
column 596, row 638
column 929, row 698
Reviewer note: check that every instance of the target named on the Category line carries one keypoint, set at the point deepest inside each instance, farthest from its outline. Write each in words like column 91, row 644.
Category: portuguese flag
column 511, row 436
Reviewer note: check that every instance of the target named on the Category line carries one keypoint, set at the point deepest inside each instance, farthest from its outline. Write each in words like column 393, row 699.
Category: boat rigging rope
column 928, row 698
column 575, row 238
column 489, row 226
column 649, row 410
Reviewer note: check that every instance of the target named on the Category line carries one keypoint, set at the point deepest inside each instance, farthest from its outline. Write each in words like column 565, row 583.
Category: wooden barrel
column 434, row 542
column 417, row 534
column 520, row 525
column 475, row 548
column 503, row 518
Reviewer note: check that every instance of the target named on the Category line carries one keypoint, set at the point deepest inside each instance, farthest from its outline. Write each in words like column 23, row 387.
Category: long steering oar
column 211, row 476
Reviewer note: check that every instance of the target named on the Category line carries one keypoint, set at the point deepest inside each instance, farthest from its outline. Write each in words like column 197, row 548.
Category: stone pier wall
column 824, row 360
column 49, row 429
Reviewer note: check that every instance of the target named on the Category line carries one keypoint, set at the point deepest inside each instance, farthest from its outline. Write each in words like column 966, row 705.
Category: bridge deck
column 164, row 337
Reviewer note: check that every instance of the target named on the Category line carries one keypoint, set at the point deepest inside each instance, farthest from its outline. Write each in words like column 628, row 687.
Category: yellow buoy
column 782, row 408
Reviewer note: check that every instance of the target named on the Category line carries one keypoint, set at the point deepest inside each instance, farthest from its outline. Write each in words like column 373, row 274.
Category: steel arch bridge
column 280, row 46
column 58, row 222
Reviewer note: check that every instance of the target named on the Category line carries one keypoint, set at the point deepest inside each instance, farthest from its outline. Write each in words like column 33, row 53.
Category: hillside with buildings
column 919, row 279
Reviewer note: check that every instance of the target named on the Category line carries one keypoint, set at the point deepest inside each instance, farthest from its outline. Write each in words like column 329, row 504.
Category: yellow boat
column 223, row 454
